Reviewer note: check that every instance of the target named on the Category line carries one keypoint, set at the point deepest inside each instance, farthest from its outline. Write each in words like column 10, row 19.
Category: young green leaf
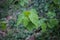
column 25, row 21
column 30, row 26
column 26, row 13
column 34, row 17
column 20, row 18
column 43, row 24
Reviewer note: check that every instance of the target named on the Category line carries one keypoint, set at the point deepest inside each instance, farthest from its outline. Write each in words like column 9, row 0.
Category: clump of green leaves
column 49, row 22
column 30, row 20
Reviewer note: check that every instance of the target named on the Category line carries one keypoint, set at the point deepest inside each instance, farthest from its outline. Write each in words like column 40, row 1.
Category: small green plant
column 31, row 20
